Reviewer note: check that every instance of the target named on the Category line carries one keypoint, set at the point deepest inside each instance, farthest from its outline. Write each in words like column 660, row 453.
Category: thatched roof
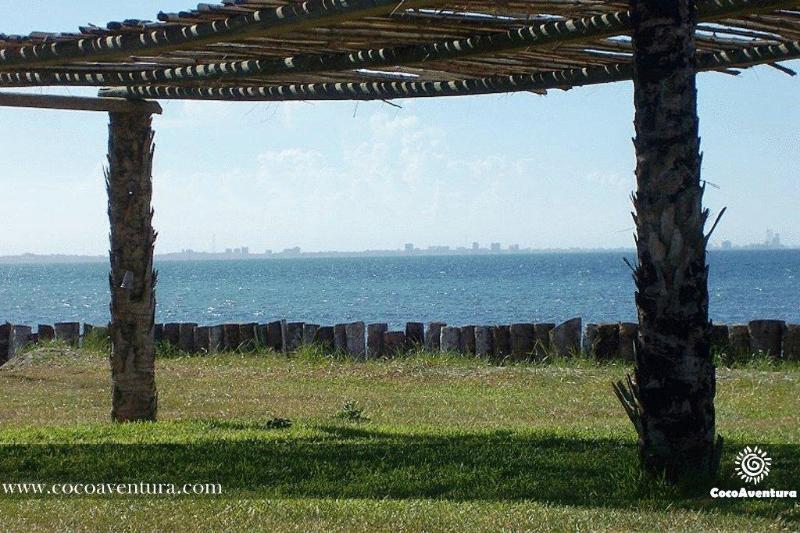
column 380, row 49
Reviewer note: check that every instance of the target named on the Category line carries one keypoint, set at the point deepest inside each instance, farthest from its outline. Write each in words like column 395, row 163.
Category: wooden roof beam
column 561, row 79
column 266, row 22
column 561, row 31
column 79, row 103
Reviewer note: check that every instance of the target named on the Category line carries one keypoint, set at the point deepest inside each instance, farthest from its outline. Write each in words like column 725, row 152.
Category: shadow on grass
column 355, row 462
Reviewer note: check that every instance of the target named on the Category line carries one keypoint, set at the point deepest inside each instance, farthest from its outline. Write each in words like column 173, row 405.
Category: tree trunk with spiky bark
column 132, row 279
column 671, row 399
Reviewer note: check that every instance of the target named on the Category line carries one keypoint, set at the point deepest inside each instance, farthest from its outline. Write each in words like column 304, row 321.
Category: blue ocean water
column 744, row 285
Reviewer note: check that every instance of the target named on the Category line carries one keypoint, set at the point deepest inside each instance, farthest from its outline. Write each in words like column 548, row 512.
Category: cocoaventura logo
column 752, row 466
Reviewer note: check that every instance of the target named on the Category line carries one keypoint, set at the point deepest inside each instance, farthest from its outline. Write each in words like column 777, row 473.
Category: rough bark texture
column 132, row 278
column 674, row 384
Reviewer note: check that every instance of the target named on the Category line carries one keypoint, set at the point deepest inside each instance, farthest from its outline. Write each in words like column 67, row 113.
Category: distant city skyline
column 772, row 241
column 552, row 171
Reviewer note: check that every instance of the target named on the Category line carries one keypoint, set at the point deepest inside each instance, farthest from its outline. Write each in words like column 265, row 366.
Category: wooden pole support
column 132, row 279
column 79, row 103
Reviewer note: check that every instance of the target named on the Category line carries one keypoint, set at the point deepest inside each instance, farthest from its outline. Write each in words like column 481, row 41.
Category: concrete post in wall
column 356, row 340
column 433, row 336
column 450, row 340
column 484, row 345
column 589, row 339
column 202, row 339
column 275, row 336
column 68, row 332
column 791, row 342
column 468, row 339
column 566, row 338
column 230, row 337
column 172, row 334
column 247, row 337
column 394, row 343
column 628, row 331
column 542, row 334
column 325, row 339
column 739, row 341
column 766, row 336
column 186, row 337
column 46, row 332
column 375, row 339
column 415, row 335
column 501, row 339
column 340, row 338
column 261, row 336
column 21, row 338
column 5, row 343
column 216, row 338
column 523, row 340
column 292, row 336
column 606, row 342
column 719, row 338
column 309, row 333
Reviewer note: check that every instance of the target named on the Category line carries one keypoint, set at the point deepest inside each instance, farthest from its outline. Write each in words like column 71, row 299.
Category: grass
column 418, row 443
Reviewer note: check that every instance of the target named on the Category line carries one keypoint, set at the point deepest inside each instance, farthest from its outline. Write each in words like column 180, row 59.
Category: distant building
column 727, row 245
column 409, row 247
column 513, row 248
column 245, row 250
column 292, row 251
column 228, row 251
column 495, row 247
column 476, row 246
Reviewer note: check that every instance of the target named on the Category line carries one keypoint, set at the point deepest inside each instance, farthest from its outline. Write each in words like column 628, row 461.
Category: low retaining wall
column 518, row 341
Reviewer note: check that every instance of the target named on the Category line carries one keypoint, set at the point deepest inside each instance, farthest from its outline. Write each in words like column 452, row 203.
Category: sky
column 551, row 171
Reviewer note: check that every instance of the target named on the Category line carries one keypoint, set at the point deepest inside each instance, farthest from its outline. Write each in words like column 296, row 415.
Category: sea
column 470, row 289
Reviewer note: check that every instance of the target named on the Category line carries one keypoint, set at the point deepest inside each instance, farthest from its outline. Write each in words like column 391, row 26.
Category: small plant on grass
column 351, row 412
column 278, row 423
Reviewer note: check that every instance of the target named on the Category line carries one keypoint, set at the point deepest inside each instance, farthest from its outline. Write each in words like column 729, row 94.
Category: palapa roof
column 380, row 49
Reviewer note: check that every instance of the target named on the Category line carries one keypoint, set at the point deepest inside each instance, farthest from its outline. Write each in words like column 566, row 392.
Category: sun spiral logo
column 752, row 464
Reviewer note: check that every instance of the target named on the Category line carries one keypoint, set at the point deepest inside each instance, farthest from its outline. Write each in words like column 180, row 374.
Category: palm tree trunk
column 675, row 379
column 132, row 278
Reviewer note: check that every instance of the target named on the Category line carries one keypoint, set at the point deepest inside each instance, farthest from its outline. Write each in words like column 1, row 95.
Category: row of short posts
column 774, row 339
column 514, row 342
column 15, row 338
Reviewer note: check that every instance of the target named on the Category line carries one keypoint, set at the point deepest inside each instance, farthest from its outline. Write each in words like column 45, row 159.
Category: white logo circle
column 752, row 464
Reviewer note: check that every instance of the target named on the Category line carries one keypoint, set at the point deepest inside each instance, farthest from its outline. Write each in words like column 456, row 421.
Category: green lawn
column 449, row 444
